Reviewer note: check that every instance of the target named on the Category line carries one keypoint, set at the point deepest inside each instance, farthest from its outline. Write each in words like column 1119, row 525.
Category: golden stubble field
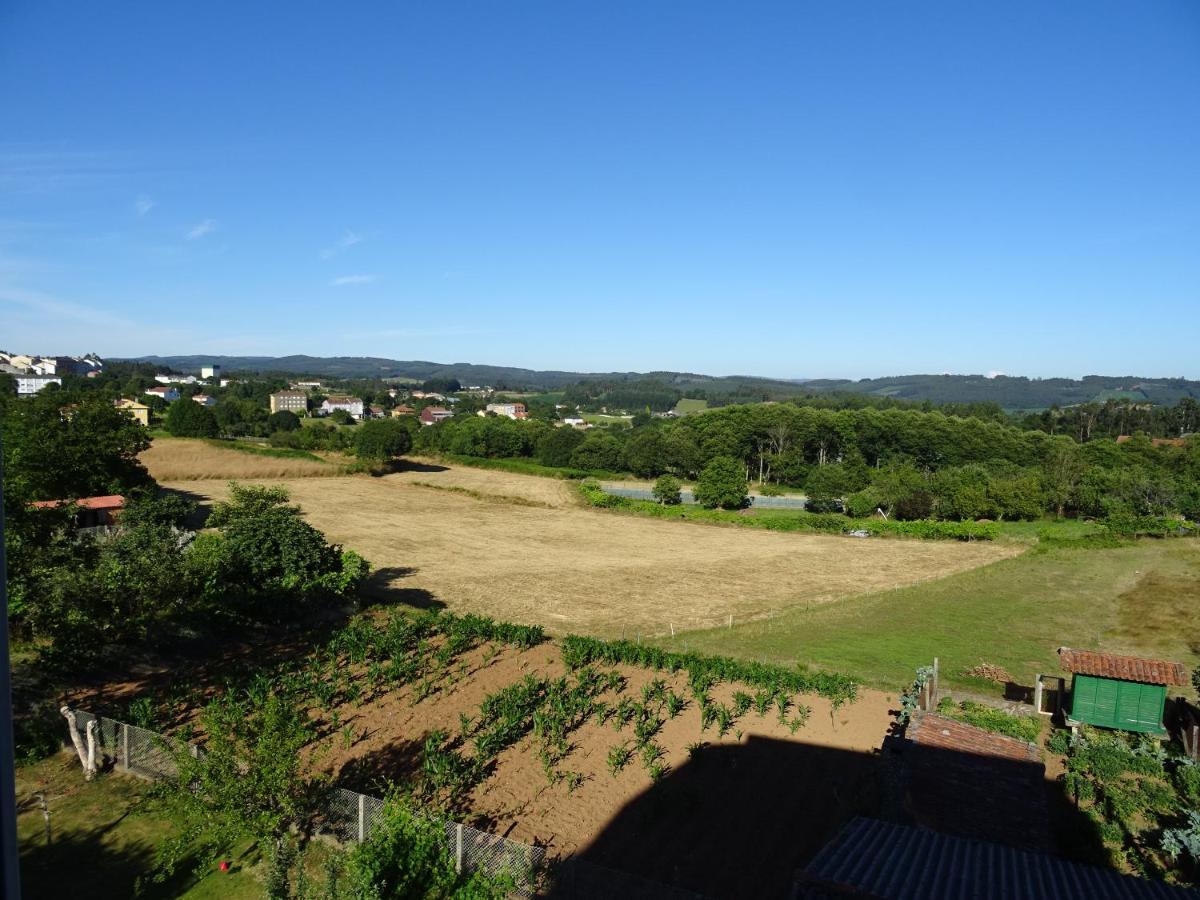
column 575, row 569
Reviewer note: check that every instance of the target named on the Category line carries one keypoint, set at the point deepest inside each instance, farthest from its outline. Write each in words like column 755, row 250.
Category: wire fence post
column 362, row 817
column 458, row 847
column 124, row 747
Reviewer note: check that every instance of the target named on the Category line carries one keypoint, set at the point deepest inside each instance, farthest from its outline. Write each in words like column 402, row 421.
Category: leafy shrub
column 407, row 855
column 722, row 484
column 666, row 490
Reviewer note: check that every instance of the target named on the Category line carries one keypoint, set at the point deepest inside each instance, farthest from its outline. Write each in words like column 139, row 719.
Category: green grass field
column 602, row 419
column 104, row 835
column 1137, row 599
column 686, row 407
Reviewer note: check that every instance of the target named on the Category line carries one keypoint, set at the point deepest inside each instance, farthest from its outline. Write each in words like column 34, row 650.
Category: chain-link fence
column 349, row 816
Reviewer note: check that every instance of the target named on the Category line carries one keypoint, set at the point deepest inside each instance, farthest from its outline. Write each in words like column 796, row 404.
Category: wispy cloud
column 346, row 241
column 38, row 320
column 199, row 230
column 344, row 280
column 143, row 204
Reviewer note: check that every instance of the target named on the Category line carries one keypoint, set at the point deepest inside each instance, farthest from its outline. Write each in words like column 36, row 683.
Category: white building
column 352, row 405
column 204, row 399
column 166, row 392
column 512, row 410
column 210, row 372
column 27, row 385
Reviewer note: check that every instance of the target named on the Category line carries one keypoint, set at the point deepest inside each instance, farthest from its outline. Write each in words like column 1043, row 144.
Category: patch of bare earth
column 735, row 817
column 573, row 569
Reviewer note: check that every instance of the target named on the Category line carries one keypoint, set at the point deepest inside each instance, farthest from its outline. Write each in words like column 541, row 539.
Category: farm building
column 1124, row 692
column 90, row 511
column 403, row 410
column 431, row 415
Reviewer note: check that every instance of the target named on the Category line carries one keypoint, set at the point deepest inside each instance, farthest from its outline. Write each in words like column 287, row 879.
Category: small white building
column 28, row 385
column 208, row 373
column 511, row 410
column 166, row 392
column 574, row 420
column 204, row 399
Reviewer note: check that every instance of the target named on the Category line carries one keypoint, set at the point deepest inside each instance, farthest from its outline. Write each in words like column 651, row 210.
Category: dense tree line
column 908, row 463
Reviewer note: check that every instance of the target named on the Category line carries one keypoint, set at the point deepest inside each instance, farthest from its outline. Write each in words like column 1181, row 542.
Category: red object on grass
column 224, row 866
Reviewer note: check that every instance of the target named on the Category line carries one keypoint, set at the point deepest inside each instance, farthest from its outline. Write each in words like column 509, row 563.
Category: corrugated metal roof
column 870, row 858
column 1125, row 668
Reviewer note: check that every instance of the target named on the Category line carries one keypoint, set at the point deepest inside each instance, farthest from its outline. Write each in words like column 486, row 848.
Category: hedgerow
column 826, row 523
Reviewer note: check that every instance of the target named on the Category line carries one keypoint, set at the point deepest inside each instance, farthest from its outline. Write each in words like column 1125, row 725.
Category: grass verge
column 1014, row 613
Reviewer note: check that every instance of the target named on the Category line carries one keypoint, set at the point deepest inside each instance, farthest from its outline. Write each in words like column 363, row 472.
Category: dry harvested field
column 178, row 458
column 573, row 569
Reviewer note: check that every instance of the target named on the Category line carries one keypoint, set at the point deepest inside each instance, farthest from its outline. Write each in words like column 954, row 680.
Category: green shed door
column 1125, row 705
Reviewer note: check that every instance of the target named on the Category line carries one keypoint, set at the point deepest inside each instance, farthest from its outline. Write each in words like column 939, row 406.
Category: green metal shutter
column 1105, row 713
column 1129, row 700
column 1083, row 698
column 1150, row 707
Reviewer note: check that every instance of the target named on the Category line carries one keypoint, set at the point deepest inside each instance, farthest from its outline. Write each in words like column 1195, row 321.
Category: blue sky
column 795, row 189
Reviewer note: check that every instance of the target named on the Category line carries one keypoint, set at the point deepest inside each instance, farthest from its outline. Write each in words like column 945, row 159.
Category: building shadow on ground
column 740, row 820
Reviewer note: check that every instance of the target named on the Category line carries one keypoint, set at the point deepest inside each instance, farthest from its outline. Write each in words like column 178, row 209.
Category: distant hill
column 1017, row 393
column 1010, row 392
column 466, row 373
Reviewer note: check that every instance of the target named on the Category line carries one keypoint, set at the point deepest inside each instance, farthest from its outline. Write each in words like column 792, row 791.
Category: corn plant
column 742, row 703
column 618, row 758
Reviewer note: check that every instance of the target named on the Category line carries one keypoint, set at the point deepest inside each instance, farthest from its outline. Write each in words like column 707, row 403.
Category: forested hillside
column 1009, row 392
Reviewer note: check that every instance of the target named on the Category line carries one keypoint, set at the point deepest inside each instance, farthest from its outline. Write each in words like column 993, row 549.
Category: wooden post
column 933, row 697
column 362, row 817
column 125, row 746
column 1196, row 742
column 458, row 847
column 1037, row 693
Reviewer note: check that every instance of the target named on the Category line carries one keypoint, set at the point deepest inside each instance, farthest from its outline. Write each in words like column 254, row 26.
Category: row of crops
column 430, row 653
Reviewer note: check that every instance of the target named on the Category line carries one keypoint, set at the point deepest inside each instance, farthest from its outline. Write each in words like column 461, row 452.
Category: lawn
column 103, row 836
column 1137, row 599
column 686, row 407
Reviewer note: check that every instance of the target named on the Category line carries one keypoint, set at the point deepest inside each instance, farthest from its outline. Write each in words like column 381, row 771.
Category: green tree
column 597, row 451
column 554, row 448
column 283, row 420
column 666, row 490
column 252, row 781
column 379, row 440
column 406, row 857
column 341, row 417
column 186, row 418
column 722, row 484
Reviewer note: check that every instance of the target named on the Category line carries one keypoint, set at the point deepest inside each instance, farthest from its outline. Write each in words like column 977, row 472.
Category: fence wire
column 349, row 816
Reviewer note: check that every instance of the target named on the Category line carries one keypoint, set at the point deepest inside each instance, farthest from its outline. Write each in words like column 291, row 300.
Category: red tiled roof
column 1124, row 668
column 932, row 730
column 113, row 501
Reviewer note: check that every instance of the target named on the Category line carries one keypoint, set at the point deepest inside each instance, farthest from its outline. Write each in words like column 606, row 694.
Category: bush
column 863, row 503
column 408, row 856
column 770, row 489
column 186, row 418
column 722, row 484
column 666, row 490
column 341, row 417
column 379, row 440
column 284, row 420
column 597, row 451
